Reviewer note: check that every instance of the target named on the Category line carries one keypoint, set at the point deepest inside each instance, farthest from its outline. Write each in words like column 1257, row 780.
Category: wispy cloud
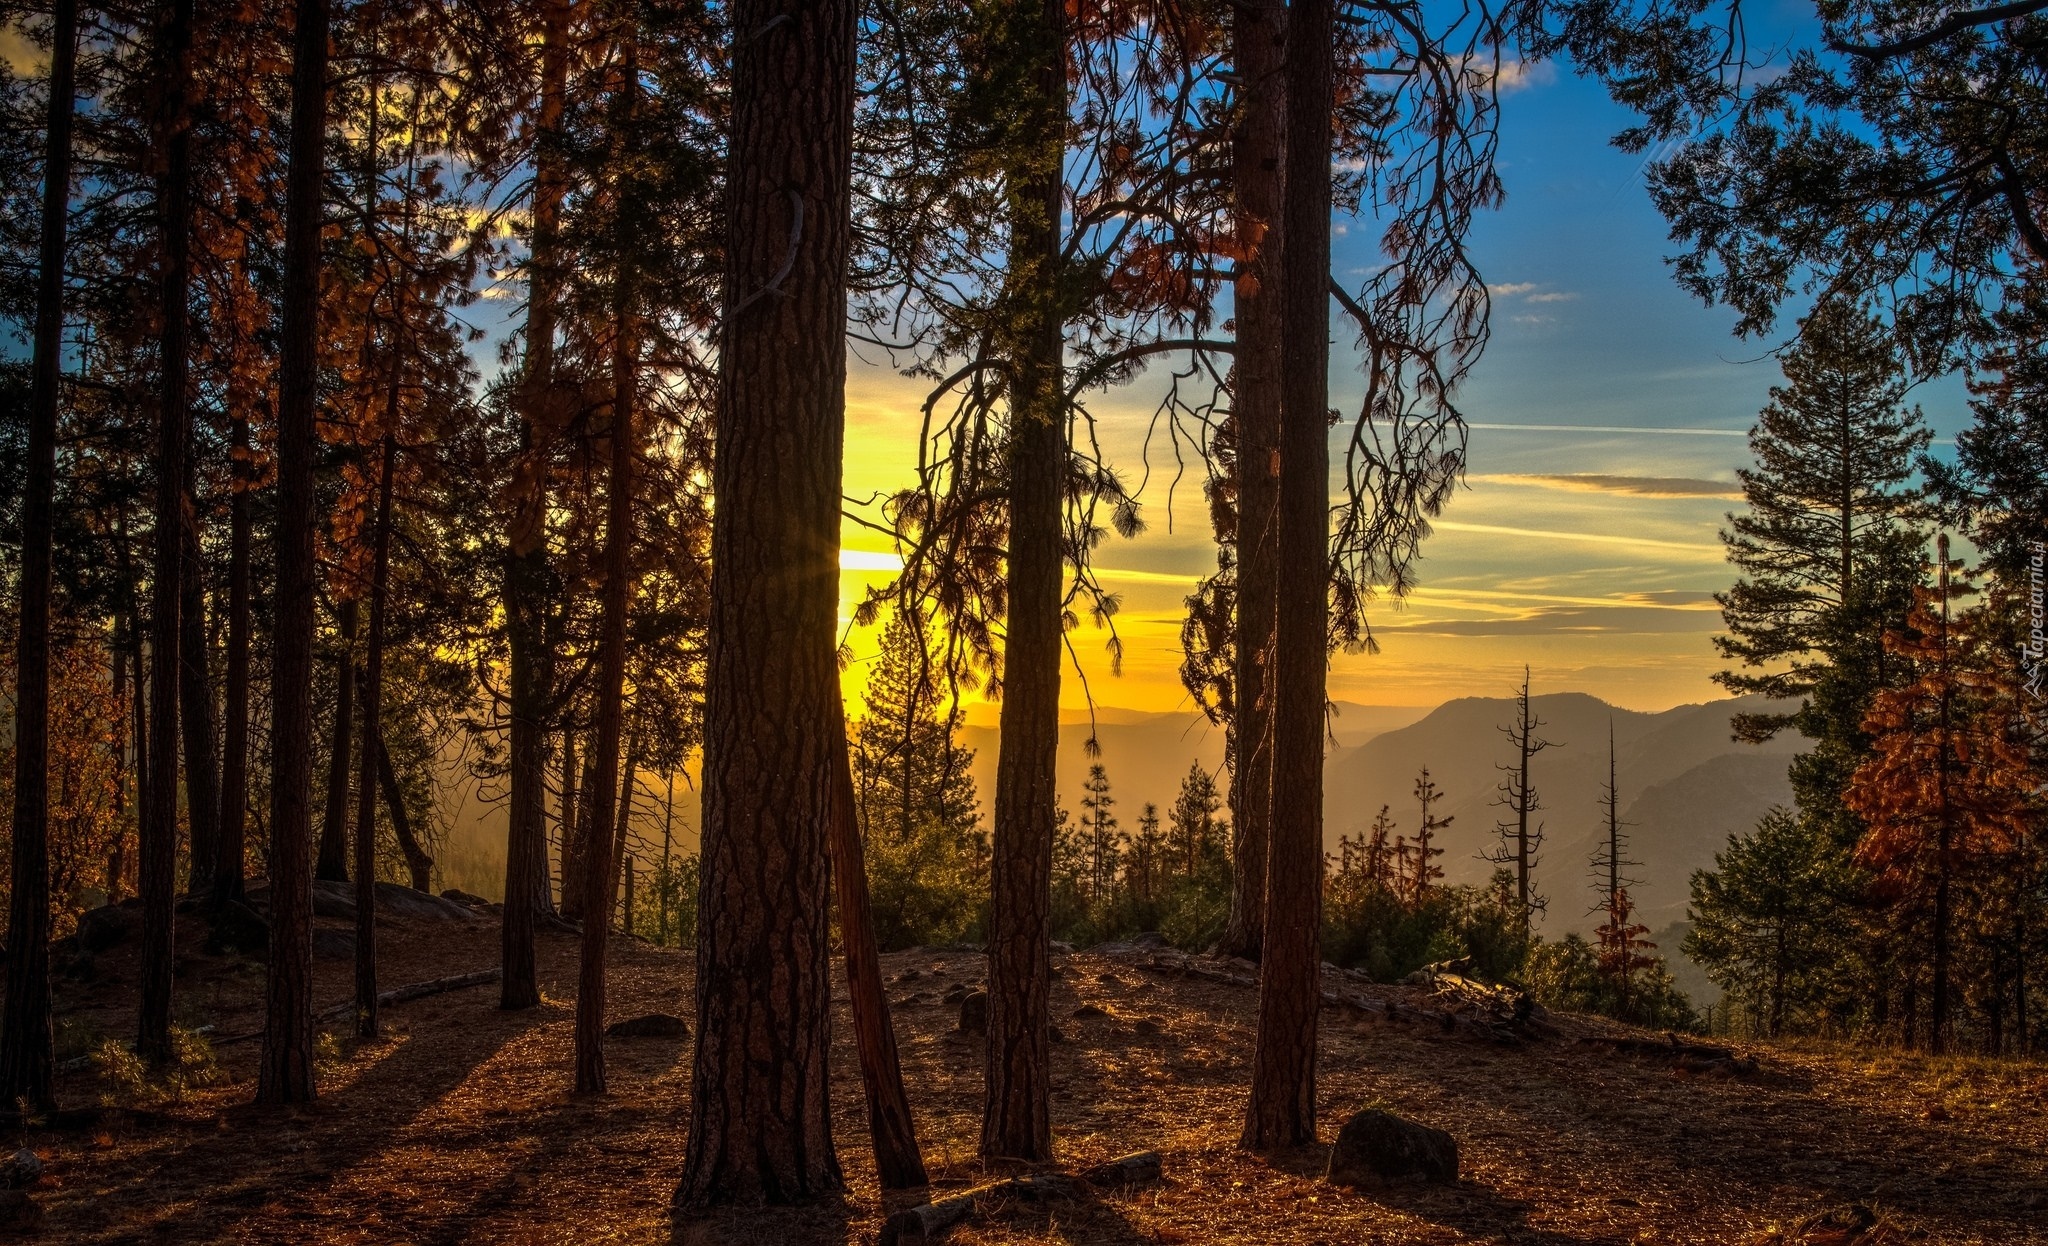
column 1509, row 289
column 1689, row 548
column 1634, row 486
column 1615, row 428
column 1553, row 296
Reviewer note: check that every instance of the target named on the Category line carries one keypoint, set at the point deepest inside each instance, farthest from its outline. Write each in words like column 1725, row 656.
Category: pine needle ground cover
column 459, row 1127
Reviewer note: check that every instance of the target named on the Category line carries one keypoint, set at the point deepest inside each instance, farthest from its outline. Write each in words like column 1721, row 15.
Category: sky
column 1608, row 415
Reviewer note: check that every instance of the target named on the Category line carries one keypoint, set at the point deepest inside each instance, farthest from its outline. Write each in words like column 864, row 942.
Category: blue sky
column 1591, row 555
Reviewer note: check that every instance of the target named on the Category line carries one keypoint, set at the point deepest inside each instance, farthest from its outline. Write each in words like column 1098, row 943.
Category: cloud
column 1689, row 548
column 1518, row 75
column 1536, row 320
column 1509, row 289
column 1612, row 428
column 1567, row 620
column 1634, row 486
column 1553, row 296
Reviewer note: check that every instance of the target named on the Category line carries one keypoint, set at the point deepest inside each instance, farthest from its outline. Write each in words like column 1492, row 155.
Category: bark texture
column 1258, row 163
column 157, row 881
column 1282, row 1110
column 760, row 1107
column 195, row 699
column 897, row 1160
column 373, row 747
column 526, row 555
column 27, row 1052
column 285, row 1074
column 1016, row 1120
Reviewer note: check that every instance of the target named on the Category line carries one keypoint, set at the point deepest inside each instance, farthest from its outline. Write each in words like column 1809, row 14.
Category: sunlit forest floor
column 458, row 1127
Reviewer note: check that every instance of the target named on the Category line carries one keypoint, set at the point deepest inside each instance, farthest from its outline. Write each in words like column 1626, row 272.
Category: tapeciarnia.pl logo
column 2034, row 650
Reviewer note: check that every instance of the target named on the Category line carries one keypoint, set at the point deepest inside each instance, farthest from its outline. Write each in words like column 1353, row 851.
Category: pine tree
column 909, row 769
column 1419, row 854
column 1193, row 830
column 1828, row 501
column 1104, row 849
column 1770, row 920
column 1145, row 862
column 1944, row 790
column 1623, row 952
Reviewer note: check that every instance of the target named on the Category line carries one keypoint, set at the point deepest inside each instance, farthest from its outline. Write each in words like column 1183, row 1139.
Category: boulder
column 334, row 945
column 652, row 1025
column 1147, row 1027
column 1089, row 1011
column 954, row 996
column 1376, row 1147
column 467, row 899
column 109, row 925
column 419, row 906
column 1149, row 939
column 974, row 1013
column 22, row 1170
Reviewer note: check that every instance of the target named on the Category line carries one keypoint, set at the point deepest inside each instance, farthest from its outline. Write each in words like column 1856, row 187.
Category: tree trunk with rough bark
column 285, row 1074
column 526, row 555
column 1282, row 1109
column 1258, row 164
column 419, row 866
column 898, row 1162
column 372, row 742
column 27, row 1050
column 600, row 873
column 158, row 881
column 760, row 1103
column 1016, row 1120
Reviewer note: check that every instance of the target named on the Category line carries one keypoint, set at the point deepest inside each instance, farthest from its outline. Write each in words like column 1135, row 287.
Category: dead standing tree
column 1519, row 842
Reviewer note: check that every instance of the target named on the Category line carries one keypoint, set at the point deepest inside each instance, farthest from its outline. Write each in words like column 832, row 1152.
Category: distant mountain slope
column 1684, row 786
column 1148, row 754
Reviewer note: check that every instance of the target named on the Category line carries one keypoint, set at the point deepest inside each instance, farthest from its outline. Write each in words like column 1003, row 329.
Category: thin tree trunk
column 229, row 861
column 27, row 1051
column 1258, row 161
column 576, row 845
column 600, row 869
column 1016, row 1120
column 195, row 701
column 526, row 555
column 1282, row 1109
column 419, row 865
column 760, row 1103
column 160, row 826
column 332, row 866
column 372, row 743
column 897, row 1160
column 567, row 851
column 285, row 1074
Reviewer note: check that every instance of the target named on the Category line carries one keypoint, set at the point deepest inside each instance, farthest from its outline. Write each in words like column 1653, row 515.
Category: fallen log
column 1669, row 1047
column 396, row 995
column 927, row 1222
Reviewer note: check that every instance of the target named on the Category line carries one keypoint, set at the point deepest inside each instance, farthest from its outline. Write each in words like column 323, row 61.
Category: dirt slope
column 459, row 1127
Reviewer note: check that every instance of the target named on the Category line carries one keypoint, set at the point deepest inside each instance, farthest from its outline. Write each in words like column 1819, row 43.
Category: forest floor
column 459, row 1127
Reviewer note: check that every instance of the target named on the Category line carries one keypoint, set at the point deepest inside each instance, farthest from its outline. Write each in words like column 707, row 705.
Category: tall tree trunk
column 1282, row 1109
column 1258, row 163
column 1016, row 1120
column 27, row 1053
column 600, row 873
column 159, row 848
column 760, row 1103
column 230, row 848
column 576, row 839
column 567, row 851
column 332, row 866
column 286, row 1072
column 526, row 554
column 372, row 743
column 195, row 701
column 419, row 866
column 897, row 1160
